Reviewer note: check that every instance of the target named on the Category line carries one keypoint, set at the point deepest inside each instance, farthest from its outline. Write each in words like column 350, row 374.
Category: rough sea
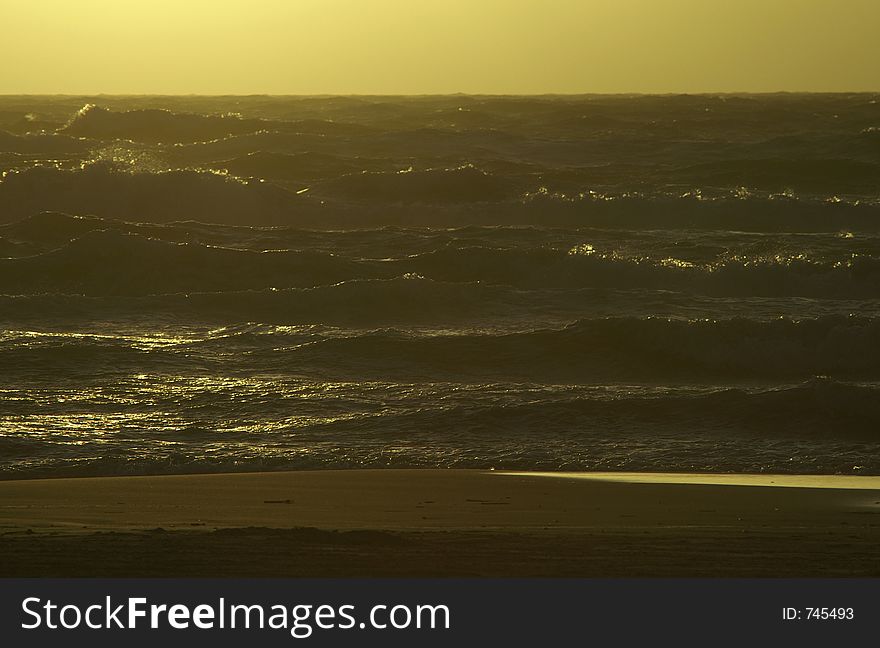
column 653, row 283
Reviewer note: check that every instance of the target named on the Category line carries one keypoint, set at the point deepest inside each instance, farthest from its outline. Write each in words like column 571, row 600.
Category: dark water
column 242, row 283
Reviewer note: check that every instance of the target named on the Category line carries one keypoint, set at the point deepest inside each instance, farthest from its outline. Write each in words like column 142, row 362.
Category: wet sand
column 441, row 523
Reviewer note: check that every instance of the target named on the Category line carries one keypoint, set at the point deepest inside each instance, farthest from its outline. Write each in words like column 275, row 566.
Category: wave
column 156, row 125
column 111, row 258
column 430, row 140
column 612, row 349
column 457, row 185
column 52, row 227
column 43, row 144
column 306, row 166
column 797, row 458
column 439, row 197
column 349, row 303
column 355, row 302
column 48, row 230
column 819, row 426
column 113, row 262
column 807, row 176
column 736, row 276
column 216, row 152
column 104, row 191
column 691, row 211
column 818, row 409
column 403, row 301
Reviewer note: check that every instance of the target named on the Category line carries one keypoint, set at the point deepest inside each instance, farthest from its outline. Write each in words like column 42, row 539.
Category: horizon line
column 441, row 94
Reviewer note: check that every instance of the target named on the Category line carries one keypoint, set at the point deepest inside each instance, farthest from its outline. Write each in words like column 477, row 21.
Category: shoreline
column 441, row 522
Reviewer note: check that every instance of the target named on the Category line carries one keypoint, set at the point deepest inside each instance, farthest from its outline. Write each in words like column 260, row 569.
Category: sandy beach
column 441, row 523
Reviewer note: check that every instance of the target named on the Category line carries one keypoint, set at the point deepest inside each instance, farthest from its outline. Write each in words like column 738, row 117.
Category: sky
column 437, row 46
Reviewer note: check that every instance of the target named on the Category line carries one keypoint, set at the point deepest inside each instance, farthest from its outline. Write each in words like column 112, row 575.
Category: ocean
column 651, row 283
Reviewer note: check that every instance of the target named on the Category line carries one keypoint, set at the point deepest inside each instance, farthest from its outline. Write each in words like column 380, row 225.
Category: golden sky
column 437, row 46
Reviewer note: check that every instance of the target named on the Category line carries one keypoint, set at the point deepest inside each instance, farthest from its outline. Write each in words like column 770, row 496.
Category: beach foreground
column 441, row 523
